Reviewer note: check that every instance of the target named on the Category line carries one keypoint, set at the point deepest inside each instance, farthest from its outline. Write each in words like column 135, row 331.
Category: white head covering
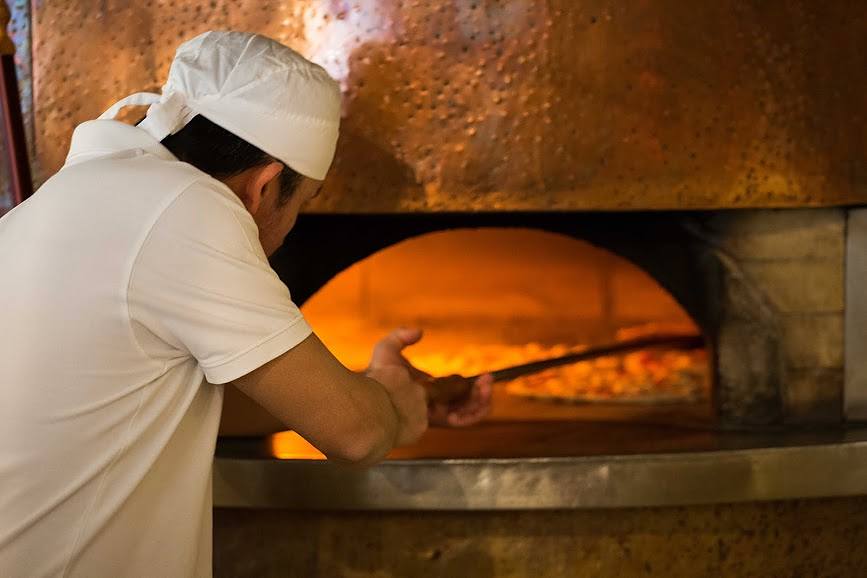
column 254, row 87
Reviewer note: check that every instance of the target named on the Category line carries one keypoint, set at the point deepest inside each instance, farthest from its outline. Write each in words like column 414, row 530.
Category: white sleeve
column 202, row 285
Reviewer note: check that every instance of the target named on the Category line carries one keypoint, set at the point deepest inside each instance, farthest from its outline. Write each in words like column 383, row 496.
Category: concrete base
column 822, row 538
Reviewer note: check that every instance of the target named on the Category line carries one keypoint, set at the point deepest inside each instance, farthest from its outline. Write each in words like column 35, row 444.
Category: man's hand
column 399, row 378
column 388, row 353
column 467, row 411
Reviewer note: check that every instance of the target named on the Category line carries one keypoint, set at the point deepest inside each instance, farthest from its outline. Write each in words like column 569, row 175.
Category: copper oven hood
column 523, row 104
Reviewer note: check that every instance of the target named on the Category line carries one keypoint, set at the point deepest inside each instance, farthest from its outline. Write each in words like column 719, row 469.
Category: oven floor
column 520, row 428
column 556, row 439
column 547, row 439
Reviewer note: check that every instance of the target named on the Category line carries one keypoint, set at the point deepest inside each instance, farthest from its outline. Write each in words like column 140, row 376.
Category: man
column 136, row 283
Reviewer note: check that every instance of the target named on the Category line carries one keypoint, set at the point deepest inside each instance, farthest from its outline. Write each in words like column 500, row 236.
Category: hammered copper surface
column 792, row 539
column 522, row 104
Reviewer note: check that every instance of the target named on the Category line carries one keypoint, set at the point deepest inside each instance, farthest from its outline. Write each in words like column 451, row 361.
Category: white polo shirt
column 124, row 281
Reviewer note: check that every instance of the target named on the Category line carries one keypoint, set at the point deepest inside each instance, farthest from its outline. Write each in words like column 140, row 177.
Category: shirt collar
column 100, row 138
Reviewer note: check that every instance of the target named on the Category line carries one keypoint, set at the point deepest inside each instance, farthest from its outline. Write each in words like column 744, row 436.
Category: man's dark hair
column 219, row 153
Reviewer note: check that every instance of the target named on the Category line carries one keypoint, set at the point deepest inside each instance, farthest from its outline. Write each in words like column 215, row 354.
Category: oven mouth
column 493, row 297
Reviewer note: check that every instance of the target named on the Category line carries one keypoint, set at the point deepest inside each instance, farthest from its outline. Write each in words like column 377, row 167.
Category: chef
column 136, row 291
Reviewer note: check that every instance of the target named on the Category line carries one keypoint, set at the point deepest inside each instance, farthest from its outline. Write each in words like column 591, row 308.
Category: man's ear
column 254, row 188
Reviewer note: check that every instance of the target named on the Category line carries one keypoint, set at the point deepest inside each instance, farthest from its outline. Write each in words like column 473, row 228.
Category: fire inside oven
column 496, row 297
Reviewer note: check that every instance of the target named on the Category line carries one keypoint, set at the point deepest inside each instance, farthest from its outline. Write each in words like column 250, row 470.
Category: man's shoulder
column 135, row 196
column 144, row 179
column 125, row 177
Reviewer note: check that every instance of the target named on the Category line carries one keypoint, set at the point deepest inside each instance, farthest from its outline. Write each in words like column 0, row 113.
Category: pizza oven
column 523, row 178
column 764, row 288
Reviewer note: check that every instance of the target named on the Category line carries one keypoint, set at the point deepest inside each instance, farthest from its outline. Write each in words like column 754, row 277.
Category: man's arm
column 347, row 416
column 242, row 416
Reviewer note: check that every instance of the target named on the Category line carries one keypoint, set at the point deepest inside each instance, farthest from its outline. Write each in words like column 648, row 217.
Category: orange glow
column 486, row 287
column 288, row 445
column 491, row 298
